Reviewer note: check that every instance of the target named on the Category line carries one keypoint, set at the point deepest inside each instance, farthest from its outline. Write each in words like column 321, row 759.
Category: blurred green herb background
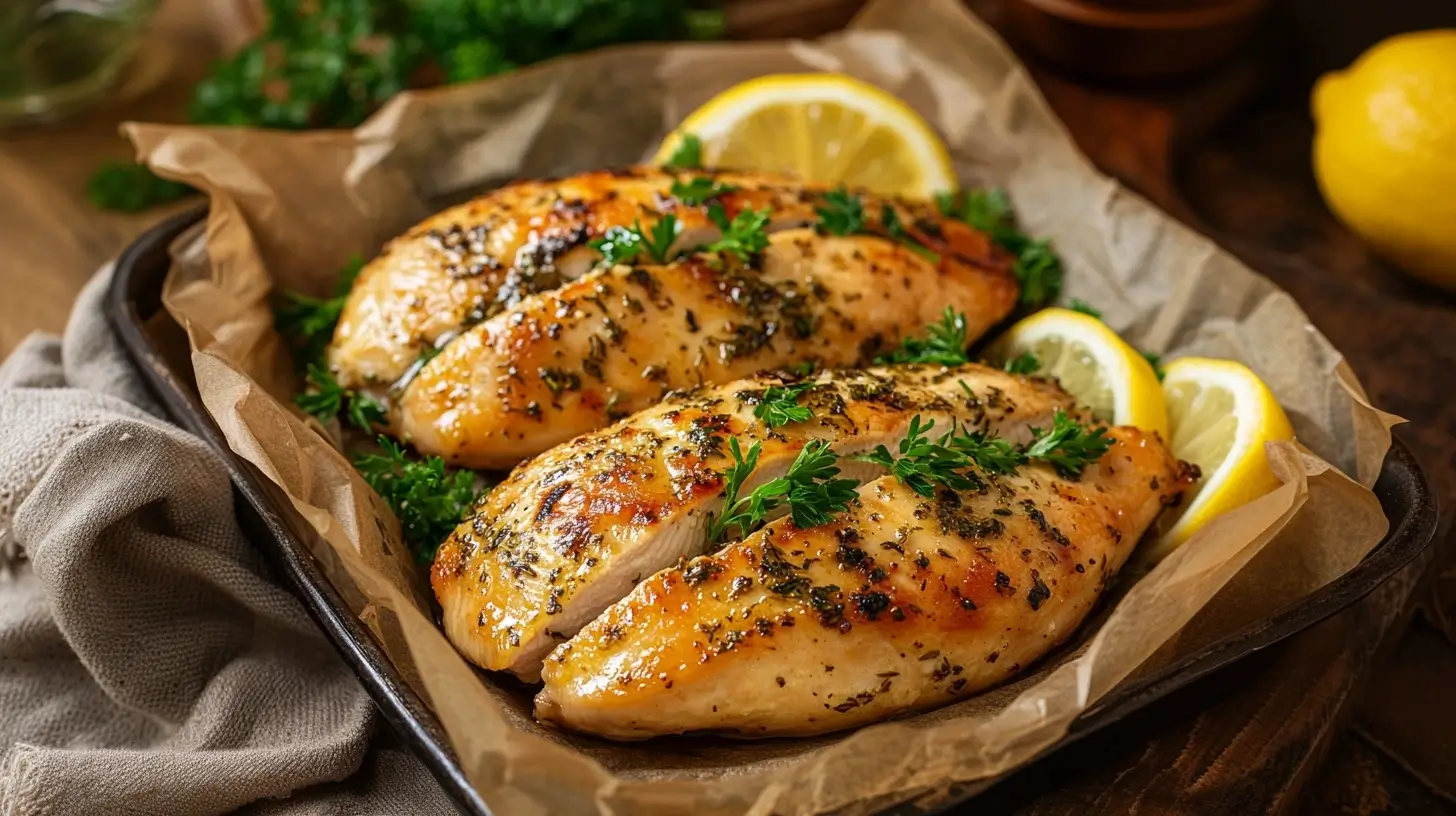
column 331, row 63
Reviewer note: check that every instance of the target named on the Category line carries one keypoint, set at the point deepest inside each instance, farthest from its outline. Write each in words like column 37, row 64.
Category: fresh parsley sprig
column 991, row 454
column 1037, row 267
column 1069, row 446
column 841, row 213
column 689, row 153
column 622, row 245
column 307, row 323
column 1080, row 305
column 810, row 487
column 1023, row 363
column 923, row 463
column 327, row 399
column 780, row 406
column 428, row 499
column 699, row 190
column 745, row 235
column 944, row 343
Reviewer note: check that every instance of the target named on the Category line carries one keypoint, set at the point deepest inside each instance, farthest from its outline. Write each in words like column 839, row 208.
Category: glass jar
column 58, row 55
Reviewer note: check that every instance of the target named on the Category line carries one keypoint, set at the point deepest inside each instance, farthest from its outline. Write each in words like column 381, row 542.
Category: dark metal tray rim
column 1403, row 490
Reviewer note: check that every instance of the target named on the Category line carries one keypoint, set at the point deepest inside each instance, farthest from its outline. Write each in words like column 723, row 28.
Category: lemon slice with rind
column 1093, row 364
column 1221, row 415
column 827, row 128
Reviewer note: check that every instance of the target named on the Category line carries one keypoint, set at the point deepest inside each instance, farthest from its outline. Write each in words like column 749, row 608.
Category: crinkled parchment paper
column 289, row 209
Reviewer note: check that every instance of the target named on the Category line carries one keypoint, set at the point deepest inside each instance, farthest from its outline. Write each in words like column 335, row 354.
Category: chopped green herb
column 428, row 499
column 622, row 245
column 1023, row 363
column 1069, row 446
column 1037, row 268
column 1156, row 361
column 1079, row 305
column 744, row 236
column 131, row 187
column 327, row 399
column 699, row 190
column 991, row 454
column 307, row 323
column 804, row 368
column 944, row 343
column 923, row 464
column 810, row 488
column 987, row 210
column 841, row 213
column 689, row 153
column 779, row 405
column 1039, row 271
column 619, row 245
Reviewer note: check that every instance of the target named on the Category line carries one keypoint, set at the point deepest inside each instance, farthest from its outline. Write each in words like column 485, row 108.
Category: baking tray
column 134, row 308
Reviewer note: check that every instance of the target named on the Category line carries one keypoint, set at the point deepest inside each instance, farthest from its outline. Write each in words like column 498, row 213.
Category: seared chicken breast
column 574, row 530
column 560, row 363
column 901, row 604
column 469, row 262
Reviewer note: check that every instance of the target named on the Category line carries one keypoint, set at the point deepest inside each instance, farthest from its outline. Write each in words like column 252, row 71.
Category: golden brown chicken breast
column 574, row 530
column 901, row 604
column 471, row 261
column 560, row 363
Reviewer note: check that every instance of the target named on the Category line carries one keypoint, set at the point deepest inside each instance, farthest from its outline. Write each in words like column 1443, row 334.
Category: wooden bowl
column 1133, row 41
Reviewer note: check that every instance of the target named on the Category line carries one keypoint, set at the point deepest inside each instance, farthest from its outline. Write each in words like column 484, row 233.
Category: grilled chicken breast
column 901, row 604
column 469, row 262
column 560, row 363
column 573, row 531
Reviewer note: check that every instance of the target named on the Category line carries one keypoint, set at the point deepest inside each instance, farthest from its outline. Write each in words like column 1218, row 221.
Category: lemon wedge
column 827, row 128
column 1221, row 414
column 1093, row 364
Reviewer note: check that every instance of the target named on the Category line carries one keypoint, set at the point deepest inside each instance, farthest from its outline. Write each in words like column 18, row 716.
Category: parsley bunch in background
column 331, row 63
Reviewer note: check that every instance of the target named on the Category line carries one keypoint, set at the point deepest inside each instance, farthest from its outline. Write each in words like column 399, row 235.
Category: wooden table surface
column 1294, row 728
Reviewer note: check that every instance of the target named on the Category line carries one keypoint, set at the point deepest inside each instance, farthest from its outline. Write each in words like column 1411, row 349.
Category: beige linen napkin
column 150, row 662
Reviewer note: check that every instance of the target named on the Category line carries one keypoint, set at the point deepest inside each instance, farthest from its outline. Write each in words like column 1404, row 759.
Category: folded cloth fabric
column 150, row 662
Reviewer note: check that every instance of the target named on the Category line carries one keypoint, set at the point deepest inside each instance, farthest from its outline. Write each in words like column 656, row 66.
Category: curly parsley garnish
column 809, row 487
column 1037, row 268
column 1080, row 305
column 944, row 343
column 307, row 323
column 922, row 463
column 622, row 245
column 744, row 236
column 428, row 499
column 991, row 454
column 699, row 190
column 1069, row 446
column 780, row 405
column 841, row 213
column 327, row 399
column 689, row 153
column 1023, row 363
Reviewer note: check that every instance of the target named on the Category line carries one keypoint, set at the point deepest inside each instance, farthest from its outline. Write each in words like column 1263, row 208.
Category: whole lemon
column 1385, row 150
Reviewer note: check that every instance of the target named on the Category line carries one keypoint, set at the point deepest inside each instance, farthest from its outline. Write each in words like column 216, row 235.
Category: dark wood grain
column 1242, row 741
